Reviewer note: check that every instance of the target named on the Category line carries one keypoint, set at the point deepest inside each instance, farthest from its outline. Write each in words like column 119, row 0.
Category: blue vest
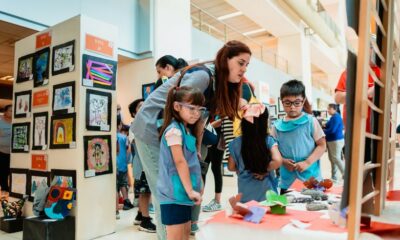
column 170, row 189
column 296, row 142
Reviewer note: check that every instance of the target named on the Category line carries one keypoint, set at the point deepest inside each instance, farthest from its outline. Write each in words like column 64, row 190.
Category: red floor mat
column 393, row 195
column 381, row 228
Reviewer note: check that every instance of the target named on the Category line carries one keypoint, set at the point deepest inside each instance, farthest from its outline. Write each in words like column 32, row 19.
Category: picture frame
column 63, row 98
column 25, row 68
column 63, row 131
column 18, row 182
column 41, row 62
column 40, row 131
column 281, row 115
column 22, row 104
column 280, row 105
column 20, row 137
column 34, row 180
column 98, row 155
column 63, row 57
column 64, row 177
column 324, row 114
column 147, row 89
column 98, row 72
column 272, row 111
column 98, row 110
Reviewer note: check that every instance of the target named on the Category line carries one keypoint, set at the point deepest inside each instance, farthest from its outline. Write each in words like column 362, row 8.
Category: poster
column 39, row 162
column 97, row 155
column 98, row 72
column 147, row 89
column 40, row 98
column 98, row 110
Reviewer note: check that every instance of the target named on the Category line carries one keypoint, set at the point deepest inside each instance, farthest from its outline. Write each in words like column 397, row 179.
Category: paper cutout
column 276, row 202
column 255, row 215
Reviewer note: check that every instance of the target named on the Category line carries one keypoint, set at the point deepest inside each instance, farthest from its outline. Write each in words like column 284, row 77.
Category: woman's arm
column 276, row 158
column 231, row 164
column 315, row 155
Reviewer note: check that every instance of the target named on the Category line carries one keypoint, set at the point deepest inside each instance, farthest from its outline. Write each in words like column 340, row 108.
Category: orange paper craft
column 393, row 195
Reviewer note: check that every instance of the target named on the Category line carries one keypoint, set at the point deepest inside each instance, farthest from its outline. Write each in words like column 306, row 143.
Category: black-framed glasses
column 193, row 109
column 296, row 103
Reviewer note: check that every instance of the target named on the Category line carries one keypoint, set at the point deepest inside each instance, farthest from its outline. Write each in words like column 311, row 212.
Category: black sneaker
column 138, row 219
column 127, row 205
column 147, row 226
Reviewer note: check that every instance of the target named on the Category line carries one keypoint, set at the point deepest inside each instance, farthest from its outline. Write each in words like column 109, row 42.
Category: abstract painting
column 98, row 110
column 40, row 123
column 62, row 131
column 97, row 155
column 63, row 58
column 41, row 67
column 20, row 137
column 22, row 104
column 147, row 89
column 98, row 72
column 63, row 178
column 18, row 182
column 34, row 180
column 63, row 98
column 25, row 68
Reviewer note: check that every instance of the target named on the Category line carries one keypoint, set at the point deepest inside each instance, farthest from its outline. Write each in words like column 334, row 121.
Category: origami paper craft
column 252, row 214
column 313, row 183
column 276, row 202
column 13, row 209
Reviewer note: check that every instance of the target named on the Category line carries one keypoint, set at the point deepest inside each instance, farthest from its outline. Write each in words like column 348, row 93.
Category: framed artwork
column 98, row 159
column 25, row 68
column 98, row 72
column 39, row 162
column 272, row 111
column 35, row 178
column 63, row 58
column 40, row 98
column 324, row 114
column 63, row 178
column 63, row 98
column 98, row 110
column 18, row 182
column 20, row 137
column 147, row 89
column 41, row 67
column 62, row 131
column 22, row 104
column 280, row 105
column 39, row 135
column 281, row 115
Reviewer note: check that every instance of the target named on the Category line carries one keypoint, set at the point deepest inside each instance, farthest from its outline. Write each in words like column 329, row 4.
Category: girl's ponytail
column 169, row 109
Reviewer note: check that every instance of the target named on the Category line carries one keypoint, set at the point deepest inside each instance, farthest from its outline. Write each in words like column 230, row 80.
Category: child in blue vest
column 254, row 155
column 301, row 139
column 179, row 176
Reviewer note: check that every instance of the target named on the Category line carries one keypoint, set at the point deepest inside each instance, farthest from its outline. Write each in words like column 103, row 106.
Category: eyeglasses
column 296, row 103
column 193, row 109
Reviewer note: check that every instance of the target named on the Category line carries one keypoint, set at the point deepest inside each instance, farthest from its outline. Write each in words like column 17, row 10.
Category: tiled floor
column 125, row 229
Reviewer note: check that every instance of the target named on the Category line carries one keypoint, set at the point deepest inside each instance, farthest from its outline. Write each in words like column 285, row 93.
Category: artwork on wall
column 97, row 155
column 272, row 111
column 324, row 114
column 39, row 162
column 18, row 182
column 98, row 72
column 281, row 115
column 20, row 137
column 98, row 110
column 63, row 58
column 41, row 67
column 22, row 104
column 280, row 105
column 147, row 89
column 63, row 98
column 34, row 180
column 40, row 98
column 63, row 178
column 25, row 68
column 39, row 135
column 62, row 131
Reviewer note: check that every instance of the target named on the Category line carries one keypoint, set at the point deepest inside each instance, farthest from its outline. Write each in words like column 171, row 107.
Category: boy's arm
column 276, row 158
column 315, row 155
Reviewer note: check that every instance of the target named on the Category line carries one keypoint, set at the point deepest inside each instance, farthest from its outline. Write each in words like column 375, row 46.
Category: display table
column 48, row 229
column 11, row 225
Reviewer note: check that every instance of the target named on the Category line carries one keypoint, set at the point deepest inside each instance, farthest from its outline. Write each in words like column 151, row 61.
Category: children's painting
column 41, row 67
column 98, row 72
column 22, row 104
column 63, row 58
column 98, row 110
column 63, row 98
column 63, row 178
column 35, row 178
column 25, row 68
column 40, row 122
column 147, row 89
column 18, row 182
column 97, row 155
column 20, row 137
column 62, row 133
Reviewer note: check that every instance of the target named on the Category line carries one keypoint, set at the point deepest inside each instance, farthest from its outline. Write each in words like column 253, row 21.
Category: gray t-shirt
column 145, row 124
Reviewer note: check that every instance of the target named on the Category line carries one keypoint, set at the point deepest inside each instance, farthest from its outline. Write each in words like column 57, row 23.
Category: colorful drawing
column 63, row 178
column 147, row 89
column 98, row 154
column 18, row 182
column 25, row 68
column 98, row 110
column 59, row 202
column 40, row 122
column 63, row 97
column 64, row 181
column 35, row 182
column 22, row 104
column 20, row 137
column 62, row 131
column 99, row 72
column 63, row 58
column 41, row 64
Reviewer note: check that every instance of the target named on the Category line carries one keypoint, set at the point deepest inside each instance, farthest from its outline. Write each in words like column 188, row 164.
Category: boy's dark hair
column 296, row 88
column 125, row 128
column 255, row 153
column 132, row 107
column 333, row 106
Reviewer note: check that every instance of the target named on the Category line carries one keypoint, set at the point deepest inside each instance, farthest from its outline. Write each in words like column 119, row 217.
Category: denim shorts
column 173, row 214
column 122, row 180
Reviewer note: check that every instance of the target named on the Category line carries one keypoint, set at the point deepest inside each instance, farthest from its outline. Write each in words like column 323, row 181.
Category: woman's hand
column 195, row 197
column 289, row 164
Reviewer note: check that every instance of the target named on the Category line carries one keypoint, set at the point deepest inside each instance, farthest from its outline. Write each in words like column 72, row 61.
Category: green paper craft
column 276, row 202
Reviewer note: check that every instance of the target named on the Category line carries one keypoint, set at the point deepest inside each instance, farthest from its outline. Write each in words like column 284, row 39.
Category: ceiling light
column 230, row 15
column 255, row 31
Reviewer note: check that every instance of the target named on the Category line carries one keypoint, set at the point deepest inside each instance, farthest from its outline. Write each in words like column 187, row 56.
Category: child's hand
column 289, row 164
column 195, row 196
column 259, row 176
column 301, row 166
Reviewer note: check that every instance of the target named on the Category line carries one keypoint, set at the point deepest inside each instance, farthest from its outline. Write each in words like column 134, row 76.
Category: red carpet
column 393, row 195
column 381, row 228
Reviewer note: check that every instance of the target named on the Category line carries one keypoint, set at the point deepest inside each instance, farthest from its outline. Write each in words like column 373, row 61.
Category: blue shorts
column 173, row 214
